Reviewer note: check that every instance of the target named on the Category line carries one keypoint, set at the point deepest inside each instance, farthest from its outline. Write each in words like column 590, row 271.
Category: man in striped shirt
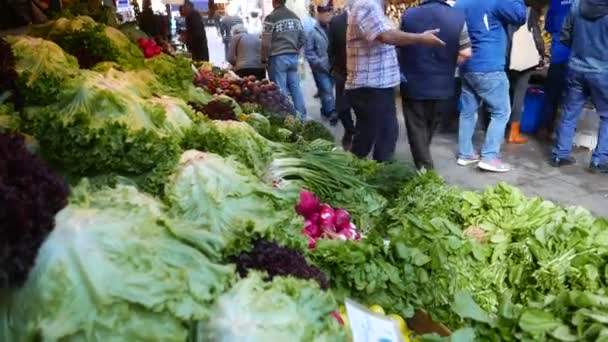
column 373, row 73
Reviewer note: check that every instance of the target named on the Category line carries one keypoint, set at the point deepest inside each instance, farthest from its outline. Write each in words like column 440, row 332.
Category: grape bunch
column 248, row 90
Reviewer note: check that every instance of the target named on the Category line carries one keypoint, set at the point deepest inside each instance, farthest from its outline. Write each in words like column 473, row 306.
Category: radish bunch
column 323, row 221
column 150, row 47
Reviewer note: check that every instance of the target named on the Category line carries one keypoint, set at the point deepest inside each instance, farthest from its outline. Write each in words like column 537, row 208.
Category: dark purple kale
column 30, row 196
column 279, row 261
column 8, row 73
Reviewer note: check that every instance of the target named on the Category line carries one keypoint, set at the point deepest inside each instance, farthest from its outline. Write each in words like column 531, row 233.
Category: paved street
column 567, row 186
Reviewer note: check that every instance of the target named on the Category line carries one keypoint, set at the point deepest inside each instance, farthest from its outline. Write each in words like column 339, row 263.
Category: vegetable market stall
column 142, row 202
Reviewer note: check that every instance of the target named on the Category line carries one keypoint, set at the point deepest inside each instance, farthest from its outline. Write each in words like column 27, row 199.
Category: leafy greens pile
column 112, row 123
column 112, row 270
column 43, row 69
column 91, row 42
column 284, row 309
column 227, row 207
column 30, row 196
column 278, row 261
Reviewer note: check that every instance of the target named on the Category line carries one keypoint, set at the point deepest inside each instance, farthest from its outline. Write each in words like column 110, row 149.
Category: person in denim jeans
column 282, row 40
column 585, row 31
column 484, row 78
column 317, row 46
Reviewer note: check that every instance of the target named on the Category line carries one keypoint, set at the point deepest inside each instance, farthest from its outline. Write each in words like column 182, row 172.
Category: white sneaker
column 468, row 161
column 494, row 165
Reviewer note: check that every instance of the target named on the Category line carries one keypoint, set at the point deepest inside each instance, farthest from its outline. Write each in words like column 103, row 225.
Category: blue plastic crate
column 532, row 117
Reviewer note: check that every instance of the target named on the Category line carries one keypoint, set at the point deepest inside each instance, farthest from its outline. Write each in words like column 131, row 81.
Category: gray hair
column 238, row 29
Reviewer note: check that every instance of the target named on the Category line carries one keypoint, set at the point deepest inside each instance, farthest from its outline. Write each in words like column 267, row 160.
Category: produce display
column 248, row 90
column 138, row 206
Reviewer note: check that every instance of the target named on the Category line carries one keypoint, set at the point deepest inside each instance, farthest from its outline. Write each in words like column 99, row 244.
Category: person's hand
column 430, row 38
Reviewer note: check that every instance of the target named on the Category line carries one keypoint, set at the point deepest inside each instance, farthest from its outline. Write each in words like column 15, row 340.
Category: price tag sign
column 367, row 326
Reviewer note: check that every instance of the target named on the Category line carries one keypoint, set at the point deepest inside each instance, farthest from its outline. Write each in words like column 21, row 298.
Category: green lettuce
column 91, row 42
column 228, row 207
column 43, row 68
column 284, row 309
column 113, row 123
column 235, row 139
column 112, row 271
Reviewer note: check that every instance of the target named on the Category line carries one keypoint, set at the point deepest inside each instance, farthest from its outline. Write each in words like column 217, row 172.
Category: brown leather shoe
column 515, row 136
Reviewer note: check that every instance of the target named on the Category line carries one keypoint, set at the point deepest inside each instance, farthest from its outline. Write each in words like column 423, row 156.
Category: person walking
column 195, row 36
column 337, row 59
column 585, row 32
column 226, row 24
column 282, row 40
column 555, row 84
column 429, row 72
column 532, row 52
column 317, row 46
column 484, row 78
column 372, row 73
column 244, row 53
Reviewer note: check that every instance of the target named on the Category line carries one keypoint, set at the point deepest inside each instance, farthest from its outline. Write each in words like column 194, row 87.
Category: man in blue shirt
column 555, row 83
column 429, row 72
column 484, row 78
column 585, row 31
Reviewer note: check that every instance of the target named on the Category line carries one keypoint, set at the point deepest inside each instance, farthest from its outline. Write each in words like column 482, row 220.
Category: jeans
column 283, row 70
column 580, row 86
column 343, row 106
column 555, row 86
column 519, row 81
column 421, row 120
column 325, row 84
column 493, row 90
column 377, row 126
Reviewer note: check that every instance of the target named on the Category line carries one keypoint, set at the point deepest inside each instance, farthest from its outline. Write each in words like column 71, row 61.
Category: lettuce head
column 91, row 42
column 43, row 68
column 223, row 199
column 112, row 271
column 284, row 309
column 112, row 123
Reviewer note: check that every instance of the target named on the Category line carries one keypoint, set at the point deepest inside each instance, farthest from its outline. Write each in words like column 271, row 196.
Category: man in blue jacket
column 556, row 76
column 484, row 78
column 585, row 31
column 429, row 72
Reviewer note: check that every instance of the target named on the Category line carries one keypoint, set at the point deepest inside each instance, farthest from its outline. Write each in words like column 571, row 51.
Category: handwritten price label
column 367, row 326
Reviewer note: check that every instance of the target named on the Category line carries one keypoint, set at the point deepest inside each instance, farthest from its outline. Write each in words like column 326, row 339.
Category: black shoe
column 347, row 141
column 333, row 122
column 559, row 162
column 598, row 168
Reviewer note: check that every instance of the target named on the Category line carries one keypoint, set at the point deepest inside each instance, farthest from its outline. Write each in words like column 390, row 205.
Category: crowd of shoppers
column 492, row 48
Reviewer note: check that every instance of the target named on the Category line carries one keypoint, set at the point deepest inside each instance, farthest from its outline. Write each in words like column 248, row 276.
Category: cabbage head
column 284, row 309
column 112, row 271
column 43, row 68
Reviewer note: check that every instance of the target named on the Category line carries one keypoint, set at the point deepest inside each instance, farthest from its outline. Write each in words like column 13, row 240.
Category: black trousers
column 343, row 106
column 555, row 86
column 377, row 128
column 518, row 87
column 421, row 120
column 259, row 73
